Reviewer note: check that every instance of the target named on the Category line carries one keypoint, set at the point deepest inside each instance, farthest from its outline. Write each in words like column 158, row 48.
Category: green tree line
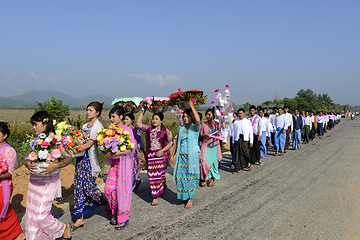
column 308, row 100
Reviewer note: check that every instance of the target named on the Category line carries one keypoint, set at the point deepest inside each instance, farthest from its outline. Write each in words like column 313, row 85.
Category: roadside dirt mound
column 21, row 179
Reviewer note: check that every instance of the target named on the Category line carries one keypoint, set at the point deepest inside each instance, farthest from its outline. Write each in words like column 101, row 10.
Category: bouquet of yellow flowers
column 113, row 139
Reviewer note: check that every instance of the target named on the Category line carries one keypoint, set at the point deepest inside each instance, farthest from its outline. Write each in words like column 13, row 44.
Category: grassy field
column 21, row 128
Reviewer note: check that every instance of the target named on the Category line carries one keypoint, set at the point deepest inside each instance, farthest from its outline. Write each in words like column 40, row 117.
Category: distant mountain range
column 30, row 98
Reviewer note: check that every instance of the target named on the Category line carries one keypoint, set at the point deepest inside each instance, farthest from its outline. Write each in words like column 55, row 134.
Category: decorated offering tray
column 156, row 104
column 181, row 99
column 130, row 104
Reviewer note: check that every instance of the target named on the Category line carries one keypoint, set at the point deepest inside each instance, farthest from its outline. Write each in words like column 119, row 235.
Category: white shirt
column 289, row 120
column 269, row 127
column 258, row 125
column 272, row 117
column 229, row 131
column 280, row 122
column 243, row 127
column 308, row 121
column 320, row 119
column 303, row 120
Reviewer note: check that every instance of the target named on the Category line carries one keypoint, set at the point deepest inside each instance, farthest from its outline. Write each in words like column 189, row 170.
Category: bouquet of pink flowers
column 4, row 167
column 46, row 148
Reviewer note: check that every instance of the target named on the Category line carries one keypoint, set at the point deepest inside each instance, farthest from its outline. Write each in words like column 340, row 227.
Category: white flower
column 43, row 154
column 48, row 140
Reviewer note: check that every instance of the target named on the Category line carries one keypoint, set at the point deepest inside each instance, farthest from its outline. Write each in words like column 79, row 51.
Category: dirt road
column 312, row 193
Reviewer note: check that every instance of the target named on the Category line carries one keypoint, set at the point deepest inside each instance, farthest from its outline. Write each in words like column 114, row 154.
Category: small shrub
column 55, row 108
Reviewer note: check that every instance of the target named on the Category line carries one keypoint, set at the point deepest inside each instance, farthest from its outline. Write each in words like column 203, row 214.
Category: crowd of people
column 196, row 152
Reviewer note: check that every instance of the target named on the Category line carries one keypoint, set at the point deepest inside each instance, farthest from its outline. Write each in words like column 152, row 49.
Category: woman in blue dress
column 87, row 196
column 187, row 165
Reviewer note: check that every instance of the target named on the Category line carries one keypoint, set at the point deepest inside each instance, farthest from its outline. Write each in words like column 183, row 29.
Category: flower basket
column 156, row 104
column 185, row 105
column 45, row 164
column 181, row 99
column 130, row 105
column 158, row 109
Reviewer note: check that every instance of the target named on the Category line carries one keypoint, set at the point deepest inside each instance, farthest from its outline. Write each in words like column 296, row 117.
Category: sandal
column 202, row 183
column 74, row 228
column 236, row 172
column 123, row 226
column 212, row 183
column 113, row 221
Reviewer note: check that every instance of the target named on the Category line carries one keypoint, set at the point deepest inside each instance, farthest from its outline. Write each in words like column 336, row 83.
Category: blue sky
column 262, row 49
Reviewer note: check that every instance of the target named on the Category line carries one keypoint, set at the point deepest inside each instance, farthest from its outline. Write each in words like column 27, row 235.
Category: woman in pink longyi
column 118, row 187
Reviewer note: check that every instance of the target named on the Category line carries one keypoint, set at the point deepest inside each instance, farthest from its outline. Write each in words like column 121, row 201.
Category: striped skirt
column 156, row 173
column 39, row 223
column 186, row 183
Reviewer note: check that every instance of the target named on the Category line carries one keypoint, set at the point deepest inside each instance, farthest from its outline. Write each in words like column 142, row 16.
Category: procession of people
column 197, row 161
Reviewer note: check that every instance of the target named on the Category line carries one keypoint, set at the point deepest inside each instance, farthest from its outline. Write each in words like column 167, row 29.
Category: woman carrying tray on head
column 87, row 195
column 210, row 151
column 187, row 165
column 9, row 223
column 42, row 190
column 158, row 142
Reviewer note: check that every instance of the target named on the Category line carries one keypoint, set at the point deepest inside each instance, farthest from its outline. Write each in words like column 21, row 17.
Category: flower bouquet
column 46, row 148
column 182, row 99
column 113, row 139
column 71, row 138
column 156, row 104
column 131, row 104
column 4, row 167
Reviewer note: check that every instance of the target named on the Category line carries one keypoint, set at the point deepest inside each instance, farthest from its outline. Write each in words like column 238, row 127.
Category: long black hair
column 4, row 128
column 45, row 118
column 118, row 110
column 189, row 113
column 212, row 111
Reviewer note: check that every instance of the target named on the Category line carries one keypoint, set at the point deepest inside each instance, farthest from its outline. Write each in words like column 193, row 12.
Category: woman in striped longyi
column 158, row 142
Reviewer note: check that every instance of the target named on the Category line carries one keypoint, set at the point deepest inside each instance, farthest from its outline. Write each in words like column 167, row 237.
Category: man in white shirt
column 320, row 118
column 271, row 119
column 257, row 130
column 313, row 128
column 229, row 131
column 269, row 131
column 263, row 121
column 289, row 128
column 243, row 139
column 280, row 124
column 307, row 127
